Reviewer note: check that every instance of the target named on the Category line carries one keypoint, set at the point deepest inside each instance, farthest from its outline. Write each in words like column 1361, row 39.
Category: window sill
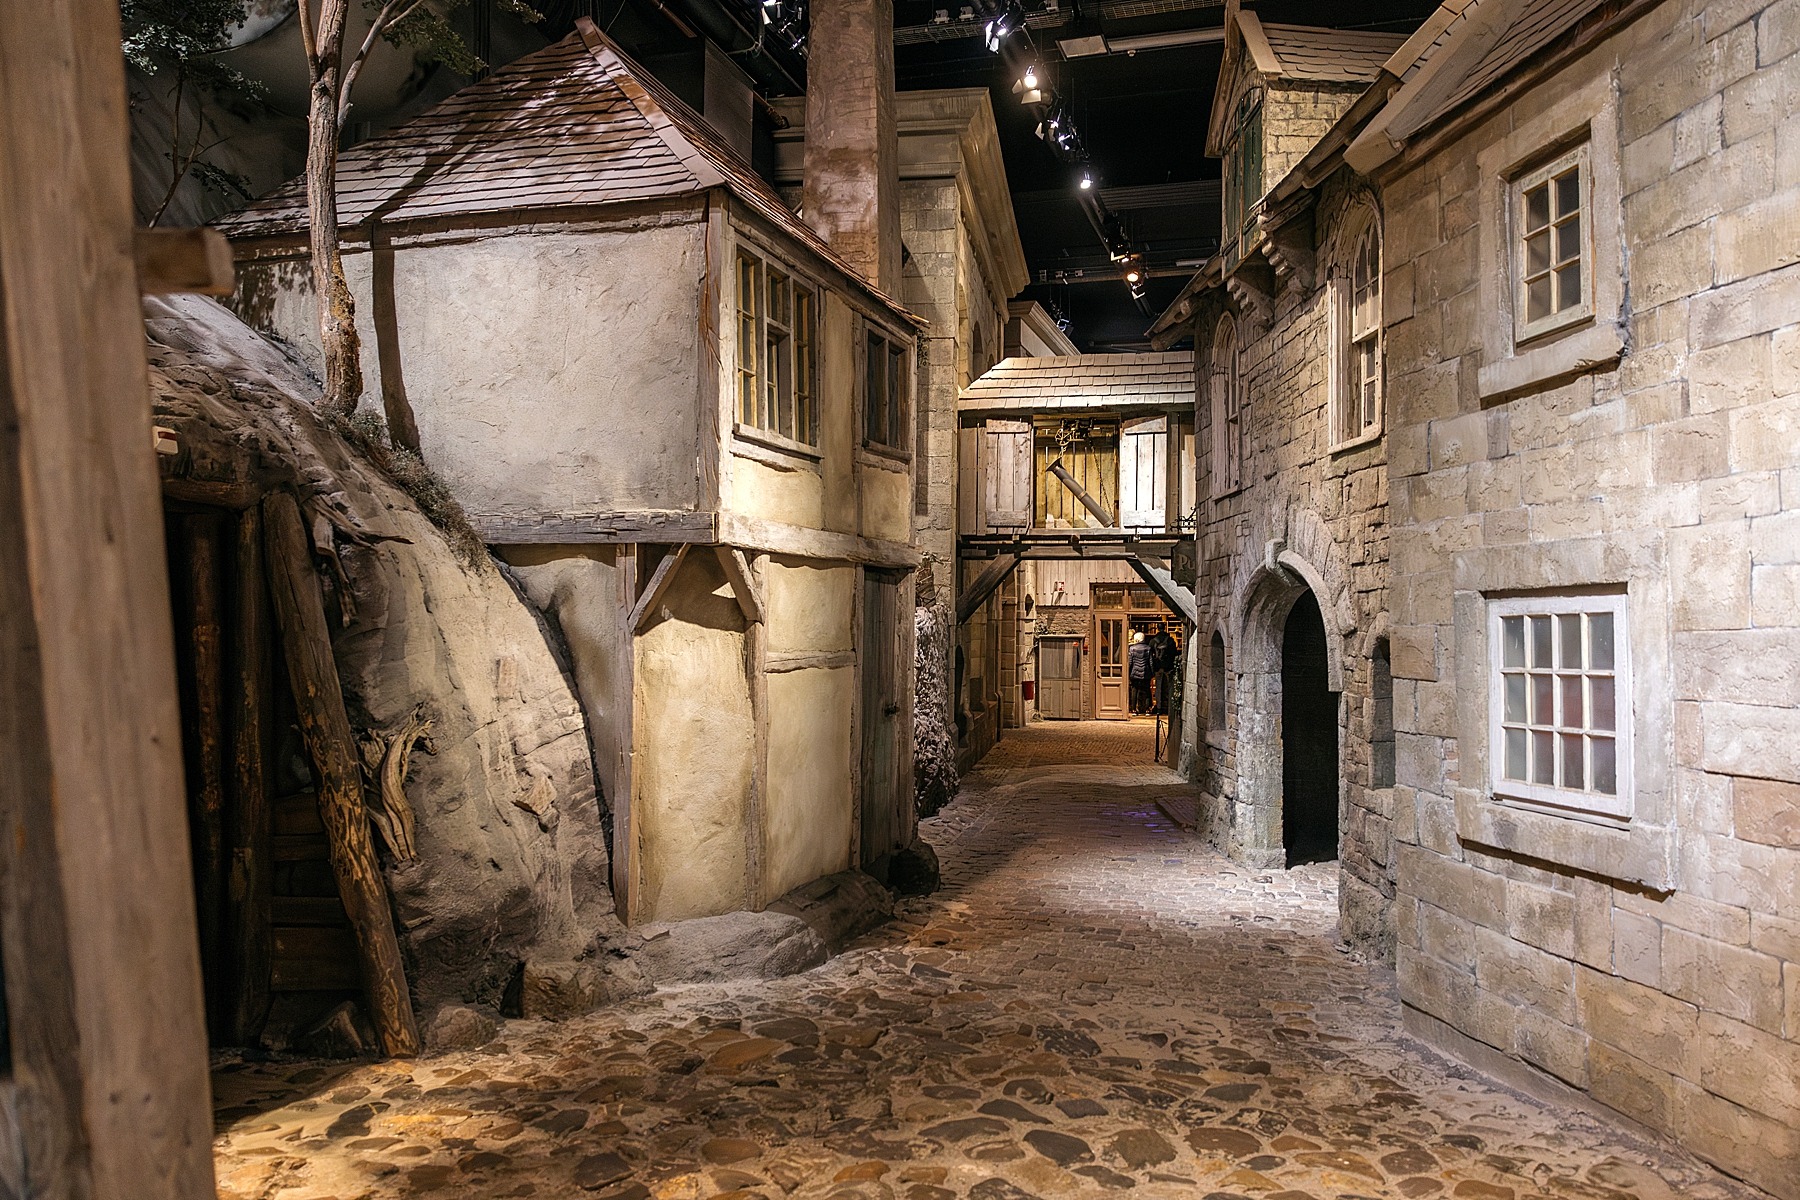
column 1593, row 843
column 888, row 454
column 1564, row 357
column 1358, row 442
column 773, row 449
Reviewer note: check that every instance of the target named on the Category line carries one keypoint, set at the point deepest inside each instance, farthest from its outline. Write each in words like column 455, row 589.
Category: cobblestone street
column 1093, row 1002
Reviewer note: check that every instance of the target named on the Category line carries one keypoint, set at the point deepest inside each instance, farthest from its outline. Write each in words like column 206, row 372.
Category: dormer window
column 1243, row 168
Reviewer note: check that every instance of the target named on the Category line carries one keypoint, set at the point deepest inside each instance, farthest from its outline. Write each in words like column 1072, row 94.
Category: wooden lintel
column 984, row 585
column 656, row 588
column 237, row 496
column 743, row 585
column 171, row 261
column 649, row 525
column 778, row 537
column 777, row 663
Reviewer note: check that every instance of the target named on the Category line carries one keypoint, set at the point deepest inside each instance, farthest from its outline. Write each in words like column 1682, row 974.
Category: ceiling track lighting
column 1008, row 21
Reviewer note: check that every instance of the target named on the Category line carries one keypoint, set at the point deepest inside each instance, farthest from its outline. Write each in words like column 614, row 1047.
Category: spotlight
column 1004, row 24
column 1087, row 180
column 1030, row 78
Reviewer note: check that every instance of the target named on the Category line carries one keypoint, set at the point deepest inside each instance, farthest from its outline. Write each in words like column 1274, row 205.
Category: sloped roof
column 1535, row 25
column 1330, row 55
column 574, row 125
column 1105, row 382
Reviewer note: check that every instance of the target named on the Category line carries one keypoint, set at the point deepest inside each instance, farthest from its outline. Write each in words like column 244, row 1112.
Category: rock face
column 512, row 856
column 934, row 729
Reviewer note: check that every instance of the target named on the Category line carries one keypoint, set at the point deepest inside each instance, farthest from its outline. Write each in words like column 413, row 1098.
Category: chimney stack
column 851, row 190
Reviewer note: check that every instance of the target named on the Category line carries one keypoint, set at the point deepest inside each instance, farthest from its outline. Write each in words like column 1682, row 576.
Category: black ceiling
column 1142, row 118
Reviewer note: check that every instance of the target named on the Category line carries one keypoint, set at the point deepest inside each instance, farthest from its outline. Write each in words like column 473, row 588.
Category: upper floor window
column 777, row 364
column 1356, row 377
column 885, row 386
column 1227, row 409
column 1243, row 168
column 1559, row 707
column 1552, row 263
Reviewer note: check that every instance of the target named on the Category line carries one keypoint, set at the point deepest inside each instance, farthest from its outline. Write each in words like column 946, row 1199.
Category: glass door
column 1111, row 702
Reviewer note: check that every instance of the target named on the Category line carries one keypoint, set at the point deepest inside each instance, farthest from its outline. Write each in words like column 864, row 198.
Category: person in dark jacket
column 1165, row 662
column 1138, row 661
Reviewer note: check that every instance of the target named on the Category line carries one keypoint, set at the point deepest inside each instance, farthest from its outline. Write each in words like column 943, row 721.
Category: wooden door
column 1111, row 700
column 884, row 725
column 1059, row 678
column 1143, row 472
column 1007, row 474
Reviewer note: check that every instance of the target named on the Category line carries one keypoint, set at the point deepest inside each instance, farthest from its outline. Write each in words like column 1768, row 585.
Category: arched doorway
column 1309, row 739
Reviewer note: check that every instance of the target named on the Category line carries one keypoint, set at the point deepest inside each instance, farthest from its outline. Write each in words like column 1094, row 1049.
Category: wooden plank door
column 1059, row 678
column 1006, row 468
column 1111, row 702
column 1143, row 472
column 883, row 721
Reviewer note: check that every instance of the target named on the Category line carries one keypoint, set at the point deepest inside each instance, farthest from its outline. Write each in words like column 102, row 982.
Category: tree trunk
column 337, row 312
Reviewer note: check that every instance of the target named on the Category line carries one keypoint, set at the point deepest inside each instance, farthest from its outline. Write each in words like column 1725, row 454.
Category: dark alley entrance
column 1309, row 739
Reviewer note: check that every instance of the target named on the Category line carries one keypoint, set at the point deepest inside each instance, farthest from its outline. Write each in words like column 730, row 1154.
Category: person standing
column 1137, row 661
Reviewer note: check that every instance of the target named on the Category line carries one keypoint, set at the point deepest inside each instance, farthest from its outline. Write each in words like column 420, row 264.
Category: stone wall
column 1653, row 962
column 1305, row 519
column 1297, row 114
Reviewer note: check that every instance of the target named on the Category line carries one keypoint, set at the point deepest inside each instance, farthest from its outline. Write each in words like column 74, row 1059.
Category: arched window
column 1227, row 409
column 1356, row 390
column 1215, row 684
column 1381, row 717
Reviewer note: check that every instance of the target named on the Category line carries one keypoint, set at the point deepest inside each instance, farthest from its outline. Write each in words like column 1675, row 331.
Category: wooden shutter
column 1007, row 471
column 969, row 497
column 1143, row 472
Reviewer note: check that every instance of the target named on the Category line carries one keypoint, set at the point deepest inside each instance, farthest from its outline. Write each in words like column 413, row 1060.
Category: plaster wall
column 1652, row 962
column 809, row 813
column 694, row 746
column 810, row 606
column 540, row 348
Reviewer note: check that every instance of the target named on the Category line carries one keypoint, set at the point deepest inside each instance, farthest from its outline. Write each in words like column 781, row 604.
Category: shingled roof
column 1330, row 55
column 1104, row 382
column 574, row 125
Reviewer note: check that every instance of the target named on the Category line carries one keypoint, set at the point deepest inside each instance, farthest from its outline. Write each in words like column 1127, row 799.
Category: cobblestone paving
column 1092, row 1004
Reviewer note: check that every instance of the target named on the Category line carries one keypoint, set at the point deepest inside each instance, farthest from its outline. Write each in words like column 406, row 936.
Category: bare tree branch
column 391, row 14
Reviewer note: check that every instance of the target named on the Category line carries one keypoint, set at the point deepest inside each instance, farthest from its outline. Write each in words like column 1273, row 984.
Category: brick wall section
column 1331, row 510
column 1677, row 471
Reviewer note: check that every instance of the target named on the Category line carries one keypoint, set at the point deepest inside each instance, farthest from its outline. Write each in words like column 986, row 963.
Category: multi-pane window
column 1552, row 260
column 1356, row 374
column 1560, row 707
column 777, row 365
column 1243, row 169
column 1227, row 411
column 884, row 391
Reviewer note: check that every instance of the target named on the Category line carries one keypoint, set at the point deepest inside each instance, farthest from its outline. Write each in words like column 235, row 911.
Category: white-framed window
column 1357, row 367
column 1559, row 704
column 886, row 385
column 777, row 351
column 1553, row 260
column 1227, row 407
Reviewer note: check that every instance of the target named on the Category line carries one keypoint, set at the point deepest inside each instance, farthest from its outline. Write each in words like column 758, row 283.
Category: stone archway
column 1258, row 831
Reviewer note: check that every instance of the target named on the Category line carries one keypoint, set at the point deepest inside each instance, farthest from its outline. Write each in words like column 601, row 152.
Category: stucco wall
column 1653, row 962
column 694, row 745
column 532, row 358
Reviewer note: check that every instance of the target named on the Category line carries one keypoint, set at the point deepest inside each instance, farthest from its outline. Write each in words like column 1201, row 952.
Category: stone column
column 851, row 193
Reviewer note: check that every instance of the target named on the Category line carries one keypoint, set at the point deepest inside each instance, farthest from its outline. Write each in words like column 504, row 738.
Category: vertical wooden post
column 251, row 896
column 319, row 700
column 624, row 847
column 202, row 626
column 110, row 1093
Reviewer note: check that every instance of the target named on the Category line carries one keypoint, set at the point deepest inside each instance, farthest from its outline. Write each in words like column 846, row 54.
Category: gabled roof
column 1329, row 55
column 574, row 125
column 1479, row 42
column 1102, row 382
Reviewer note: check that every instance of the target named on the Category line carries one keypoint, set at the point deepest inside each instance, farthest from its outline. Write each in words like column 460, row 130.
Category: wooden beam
column 299, row 608
column 778, row 537
column 743, row 586
column 649, row 525
column 171, row 261
column 201, row 538
column 655, row 589
column 109, row 1093
column 983, row 585
column 1158, row 576
column 624, row 708
column 251, row 889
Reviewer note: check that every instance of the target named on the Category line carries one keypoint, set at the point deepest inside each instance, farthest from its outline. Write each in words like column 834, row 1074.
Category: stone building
column 1291, row 707
column 1577, row 318
column 536, row 261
